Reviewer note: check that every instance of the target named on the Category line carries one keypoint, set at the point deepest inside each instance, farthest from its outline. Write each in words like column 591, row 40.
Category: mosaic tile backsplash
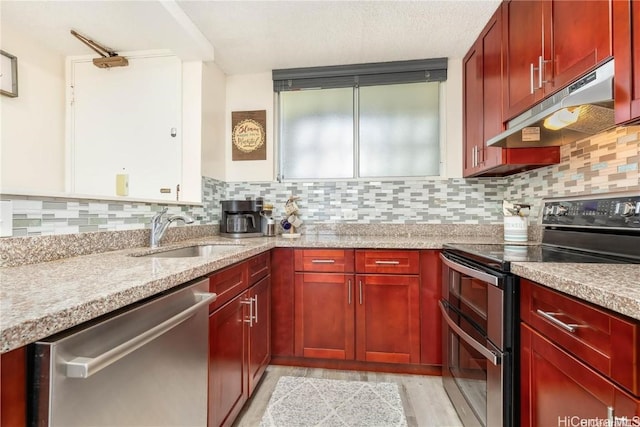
column 603, row 163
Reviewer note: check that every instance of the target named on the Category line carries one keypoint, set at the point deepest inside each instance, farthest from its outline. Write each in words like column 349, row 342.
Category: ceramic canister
column 515, row 228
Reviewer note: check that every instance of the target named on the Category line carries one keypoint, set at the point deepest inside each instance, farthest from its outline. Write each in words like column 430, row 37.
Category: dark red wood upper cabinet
column 626, row 50
column 582, row 37
column 523, row 44
column 472, row 111
column 549, row 44
column 485, row 87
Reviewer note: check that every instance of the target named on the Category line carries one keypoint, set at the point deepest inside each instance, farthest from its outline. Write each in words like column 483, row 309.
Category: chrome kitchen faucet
column 160, row 224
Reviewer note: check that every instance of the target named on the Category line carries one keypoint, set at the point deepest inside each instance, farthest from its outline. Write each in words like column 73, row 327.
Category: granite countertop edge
column 89, row 286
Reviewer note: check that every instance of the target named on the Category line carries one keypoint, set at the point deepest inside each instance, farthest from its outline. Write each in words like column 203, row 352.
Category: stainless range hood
column 590, row 98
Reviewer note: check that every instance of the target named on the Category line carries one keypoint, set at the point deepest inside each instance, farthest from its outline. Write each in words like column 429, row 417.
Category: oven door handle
column 476, row 274
column 491, row 355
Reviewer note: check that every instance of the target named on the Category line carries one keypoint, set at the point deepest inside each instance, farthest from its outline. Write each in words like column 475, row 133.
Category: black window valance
column 380, row 73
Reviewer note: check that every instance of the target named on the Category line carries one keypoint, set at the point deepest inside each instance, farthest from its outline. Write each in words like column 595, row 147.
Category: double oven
column 479, row 314
column 480, row 298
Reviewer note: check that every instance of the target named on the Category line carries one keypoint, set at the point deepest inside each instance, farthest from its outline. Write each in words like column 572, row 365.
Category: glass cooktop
column 499, row 256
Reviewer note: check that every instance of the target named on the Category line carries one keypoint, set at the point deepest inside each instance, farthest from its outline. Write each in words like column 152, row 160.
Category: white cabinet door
column 126, row 118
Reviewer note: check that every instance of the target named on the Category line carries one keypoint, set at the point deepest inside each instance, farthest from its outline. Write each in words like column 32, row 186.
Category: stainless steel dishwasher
column 145, row 365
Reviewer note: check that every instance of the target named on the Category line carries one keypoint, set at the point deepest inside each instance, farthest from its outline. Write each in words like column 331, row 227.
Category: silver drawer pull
column 323, row 261
column 551, row 318
column 387, row 262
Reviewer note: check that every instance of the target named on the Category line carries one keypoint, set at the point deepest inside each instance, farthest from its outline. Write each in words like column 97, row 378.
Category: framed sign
column 8, row 74
column 249, row 135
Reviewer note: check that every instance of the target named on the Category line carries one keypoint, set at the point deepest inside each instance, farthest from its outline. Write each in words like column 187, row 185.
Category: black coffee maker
column 241, row 218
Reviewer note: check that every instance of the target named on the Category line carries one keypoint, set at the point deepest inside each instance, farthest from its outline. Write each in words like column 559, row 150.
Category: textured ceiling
column 257, row 36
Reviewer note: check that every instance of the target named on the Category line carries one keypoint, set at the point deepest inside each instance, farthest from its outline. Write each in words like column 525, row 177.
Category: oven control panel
column 621, row 211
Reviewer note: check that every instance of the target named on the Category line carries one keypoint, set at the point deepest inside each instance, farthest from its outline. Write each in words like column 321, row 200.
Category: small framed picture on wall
column 8, row 74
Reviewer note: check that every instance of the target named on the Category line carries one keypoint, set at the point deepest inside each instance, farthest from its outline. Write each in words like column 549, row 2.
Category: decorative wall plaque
column 249, row 135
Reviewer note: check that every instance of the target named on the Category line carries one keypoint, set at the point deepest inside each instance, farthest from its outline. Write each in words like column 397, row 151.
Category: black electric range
column 604, row 230
column 480, row 297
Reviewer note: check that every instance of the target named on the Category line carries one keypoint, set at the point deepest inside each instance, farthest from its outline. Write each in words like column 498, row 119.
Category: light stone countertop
column 39, row 300
column 613, row 286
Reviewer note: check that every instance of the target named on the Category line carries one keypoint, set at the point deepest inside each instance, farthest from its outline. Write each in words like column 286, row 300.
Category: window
column 367, row 125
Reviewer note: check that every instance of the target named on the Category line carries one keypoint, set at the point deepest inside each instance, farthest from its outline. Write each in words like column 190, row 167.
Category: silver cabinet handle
column 540, row 63
column 611, row 417
column 380, row 262
column 492, row 356
column 349, row 285
column 360, row 282
column 249, row 302
column 551, row 318
column 531, row 70
column 475, row 156
column 255, row 300
column 323, row 261
column 84, row 367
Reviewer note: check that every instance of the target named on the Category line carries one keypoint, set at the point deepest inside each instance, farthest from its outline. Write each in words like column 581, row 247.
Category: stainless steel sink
column 193, row 251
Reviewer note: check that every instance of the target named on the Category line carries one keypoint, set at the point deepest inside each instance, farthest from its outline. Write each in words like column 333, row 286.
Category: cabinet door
column 492, row 86
column 388, row 318
column 324, row 315
column 522, row 35
column 430, row 317
column 472, row 113
column 282, row 302
column 556, row 388
column 259, row 331
column 13, row 388
column 581, row 40
column 227, row 362
column 626, row 48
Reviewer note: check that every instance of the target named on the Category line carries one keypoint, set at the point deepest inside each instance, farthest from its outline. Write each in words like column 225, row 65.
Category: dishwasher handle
column 84, row 367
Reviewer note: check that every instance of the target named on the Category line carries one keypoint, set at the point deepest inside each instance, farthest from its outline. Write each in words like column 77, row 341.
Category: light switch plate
column 6, row 218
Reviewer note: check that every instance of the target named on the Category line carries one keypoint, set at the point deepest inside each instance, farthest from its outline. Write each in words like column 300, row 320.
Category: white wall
column 247, row 93
column 32, row 150
column 255, row 92
column 453, row 120
column 213, row 121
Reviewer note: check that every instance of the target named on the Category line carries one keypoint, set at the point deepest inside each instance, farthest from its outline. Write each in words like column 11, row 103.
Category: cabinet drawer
column 259, row 267
column 556, row 386
column 228, row 283
column 324, row 260
column 603, row 340
column 387, row 262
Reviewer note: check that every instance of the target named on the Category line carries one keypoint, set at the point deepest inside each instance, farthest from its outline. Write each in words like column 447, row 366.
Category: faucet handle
column 158, row 215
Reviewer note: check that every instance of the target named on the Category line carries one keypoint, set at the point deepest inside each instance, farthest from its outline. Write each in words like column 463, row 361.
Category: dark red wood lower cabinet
column 559, row 390
column 239, row 351
column 324, row 315
column 388, row 318
column 13, row 388
column 227, row 362
column 259, row 331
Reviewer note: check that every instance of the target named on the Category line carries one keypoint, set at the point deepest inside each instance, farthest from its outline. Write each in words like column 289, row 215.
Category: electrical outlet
column 350, row 215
